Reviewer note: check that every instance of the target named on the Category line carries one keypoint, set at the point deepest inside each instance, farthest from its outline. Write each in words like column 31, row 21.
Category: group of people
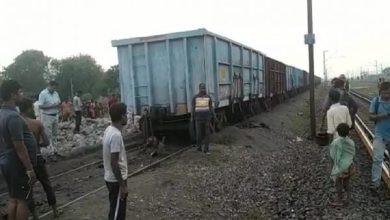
column 340, row 111
column 70, row 109
column 114, row 152
column 23, row 134
column 21, row 139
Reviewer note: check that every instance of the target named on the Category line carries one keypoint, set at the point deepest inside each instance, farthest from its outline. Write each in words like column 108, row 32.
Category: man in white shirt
column 337, row 114
column 50, row 102
column 115, row 162
column 77, row 108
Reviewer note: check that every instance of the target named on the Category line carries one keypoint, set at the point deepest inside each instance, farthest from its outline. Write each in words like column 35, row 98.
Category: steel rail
column 366, row 137
column 368, row 101
column 128, row 176
column 360, row 96
column 133, row 148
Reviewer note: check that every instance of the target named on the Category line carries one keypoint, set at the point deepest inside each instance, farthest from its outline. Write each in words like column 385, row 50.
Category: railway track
column 130, row 175
column 367, row 136
column 360, row 96
column 131, row 148
column 87, row 179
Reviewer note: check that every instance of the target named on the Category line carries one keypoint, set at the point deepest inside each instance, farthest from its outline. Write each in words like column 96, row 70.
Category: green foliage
column 83, row 71
column 111, row 79
column 33, row 70
column 28, row 69
column 386, row 71
column 86, row 97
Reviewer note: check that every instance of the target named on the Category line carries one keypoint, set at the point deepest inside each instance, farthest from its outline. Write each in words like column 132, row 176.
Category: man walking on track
column 336, row 114
column 380, row 114
column 345, row 99
column 50, row 103
column 17, row 152
column 201, row 114
column 115, row 162
column 26, row 109
column 77, row 107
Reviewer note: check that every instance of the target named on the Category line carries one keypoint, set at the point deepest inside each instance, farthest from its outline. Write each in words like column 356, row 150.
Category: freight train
column 160, row 74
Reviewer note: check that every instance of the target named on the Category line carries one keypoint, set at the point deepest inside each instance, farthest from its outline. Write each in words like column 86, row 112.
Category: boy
column 380, row 114
column 27, row 111
column 345, row 99
column 336, row 114
column 115, row 162
column 342, row 153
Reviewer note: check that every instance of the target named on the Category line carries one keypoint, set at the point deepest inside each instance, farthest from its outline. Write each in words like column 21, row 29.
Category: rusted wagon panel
column 275, row 77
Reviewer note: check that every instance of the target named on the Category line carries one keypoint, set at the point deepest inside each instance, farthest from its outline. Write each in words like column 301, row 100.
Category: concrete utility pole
column 325, row 72
column 382, row 73
column 376, row 67
column 310, row 40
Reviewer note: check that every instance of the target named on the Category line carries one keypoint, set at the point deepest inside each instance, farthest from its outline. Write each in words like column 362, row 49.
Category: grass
column 369, row 89
column 224, row 139
column 300, row 121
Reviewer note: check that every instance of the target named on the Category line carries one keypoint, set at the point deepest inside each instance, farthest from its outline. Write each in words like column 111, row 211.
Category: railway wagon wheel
column 221, row 121
column 259, row 106
column 235, row 114
column 146, row 127
column 192, row 131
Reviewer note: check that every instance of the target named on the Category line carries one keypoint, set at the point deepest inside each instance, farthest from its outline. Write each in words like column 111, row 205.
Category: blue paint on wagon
column 164, row 71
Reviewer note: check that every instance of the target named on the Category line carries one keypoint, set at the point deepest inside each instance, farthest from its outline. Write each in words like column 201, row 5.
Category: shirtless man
column 36, row 126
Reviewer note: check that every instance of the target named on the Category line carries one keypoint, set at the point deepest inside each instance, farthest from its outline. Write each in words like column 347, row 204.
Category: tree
column 386, row 71
column 111, row 79
column 79, row 73
column 28, row 69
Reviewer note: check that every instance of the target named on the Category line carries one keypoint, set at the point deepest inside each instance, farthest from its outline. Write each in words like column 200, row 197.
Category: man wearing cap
column 346, row 83
column 345, row 99
column 50, row 102
column 201, row 114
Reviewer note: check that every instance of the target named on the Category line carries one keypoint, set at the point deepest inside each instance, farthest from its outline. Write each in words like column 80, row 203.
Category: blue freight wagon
column 160, row 74
column 290, row 79
column 295, row 80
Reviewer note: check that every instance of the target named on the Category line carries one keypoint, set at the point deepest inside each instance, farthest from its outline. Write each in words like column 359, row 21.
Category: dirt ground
column 263, row 168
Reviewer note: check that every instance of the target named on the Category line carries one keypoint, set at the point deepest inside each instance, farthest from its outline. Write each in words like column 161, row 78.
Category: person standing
column 78, row 108
column 115, row 162
column 345, row 99
column 380, row 114
column 26, row 110
column 92, row 109
column 201, row 114
column 342, row 153
column 113, row 100
column 17, row 152
column 50, row 104
column 66, row 110
column 346, row 82
column 37, row 110
column 336, row 114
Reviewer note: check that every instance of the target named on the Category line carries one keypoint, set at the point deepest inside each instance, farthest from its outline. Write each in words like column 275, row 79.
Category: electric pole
column 376, row 67
column 325, row 72
column 310, row 40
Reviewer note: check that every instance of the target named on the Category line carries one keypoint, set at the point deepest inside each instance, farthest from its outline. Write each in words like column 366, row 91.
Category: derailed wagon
column 160, row 74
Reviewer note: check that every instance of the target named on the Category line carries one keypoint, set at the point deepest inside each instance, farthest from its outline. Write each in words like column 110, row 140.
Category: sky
column 355, row 33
